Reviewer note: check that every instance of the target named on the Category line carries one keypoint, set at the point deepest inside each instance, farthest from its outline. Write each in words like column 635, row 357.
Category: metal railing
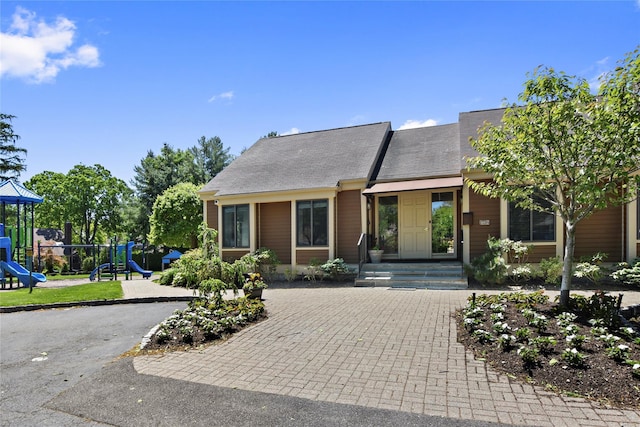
column 362, row 251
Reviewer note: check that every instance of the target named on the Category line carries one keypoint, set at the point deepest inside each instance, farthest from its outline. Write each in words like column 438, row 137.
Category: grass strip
column 88, row 292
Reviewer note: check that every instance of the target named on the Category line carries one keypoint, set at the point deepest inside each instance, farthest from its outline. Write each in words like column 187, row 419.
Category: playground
column 18, row 252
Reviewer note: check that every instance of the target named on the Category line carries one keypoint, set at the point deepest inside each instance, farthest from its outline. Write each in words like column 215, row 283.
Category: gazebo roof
column 13, row 193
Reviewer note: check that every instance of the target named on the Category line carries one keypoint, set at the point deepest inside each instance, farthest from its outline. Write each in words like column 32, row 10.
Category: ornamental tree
column 564, row 149
column 177, row 213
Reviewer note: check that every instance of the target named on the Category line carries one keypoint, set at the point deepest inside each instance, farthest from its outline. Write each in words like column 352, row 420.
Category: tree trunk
column 567, row 266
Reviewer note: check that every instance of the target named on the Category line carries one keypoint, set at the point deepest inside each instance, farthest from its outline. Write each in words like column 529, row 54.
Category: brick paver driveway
column 375, row 347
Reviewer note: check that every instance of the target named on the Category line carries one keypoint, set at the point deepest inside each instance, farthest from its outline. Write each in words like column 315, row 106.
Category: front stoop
column 424, row 275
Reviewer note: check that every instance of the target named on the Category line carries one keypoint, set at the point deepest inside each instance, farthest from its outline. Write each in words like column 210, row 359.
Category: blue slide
column 16, row 270
column 135, row 267
column 23, row 275
column 92, row 276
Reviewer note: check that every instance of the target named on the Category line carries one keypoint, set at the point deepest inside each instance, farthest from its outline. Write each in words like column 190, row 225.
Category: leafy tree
column 156, row 173
column 50, row 186
column 566, row 148
column 177, row 213
column 87, row 196
column 210, row 157
column 11, row 156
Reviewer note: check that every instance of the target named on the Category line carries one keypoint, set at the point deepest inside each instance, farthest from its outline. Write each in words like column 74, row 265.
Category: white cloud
column 291, row 131
column 224, row 95
column 412, row 124
column 36, row 51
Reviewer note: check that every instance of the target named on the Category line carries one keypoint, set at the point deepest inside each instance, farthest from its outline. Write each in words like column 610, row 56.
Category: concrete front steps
column 422, row 275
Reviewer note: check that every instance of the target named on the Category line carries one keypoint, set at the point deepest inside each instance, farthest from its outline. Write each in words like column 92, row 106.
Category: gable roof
column 432, row 151
column 469, row 124
column 312, row 160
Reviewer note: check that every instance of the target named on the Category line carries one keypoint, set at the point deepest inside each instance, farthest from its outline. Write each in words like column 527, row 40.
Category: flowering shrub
column 574, row 358
column 618, row 352
column 506, row 341
column 501, row 327
column 540, row 322
column 529, row 355
column 565, row 318
column 483, row 336
column 576, row 340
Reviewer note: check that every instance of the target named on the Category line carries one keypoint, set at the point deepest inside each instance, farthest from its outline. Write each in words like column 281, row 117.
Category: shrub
column 166, row 277
column 266, row 262
column 290, row 274
column 336, row 269
column 550, row 269
column 490, row 267
column 574, row 358
column 618, row 353
column 598, row 306
column 628, row 274
column 529, row 355
column 586, row 270
column 88, row 264
column 313, row 271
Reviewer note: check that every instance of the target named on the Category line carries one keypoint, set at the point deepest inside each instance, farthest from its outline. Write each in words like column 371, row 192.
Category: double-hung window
column 312, row 222
column 235, row 226
column 530, row 225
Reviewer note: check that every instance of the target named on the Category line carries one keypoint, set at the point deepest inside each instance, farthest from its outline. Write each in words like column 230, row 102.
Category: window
column 312, row 222
column 530, row 225
column 235, row 226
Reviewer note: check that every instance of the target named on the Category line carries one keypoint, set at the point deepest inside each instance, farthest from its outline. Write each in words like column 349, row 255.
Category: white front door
column 427, row 225
column 414, row 220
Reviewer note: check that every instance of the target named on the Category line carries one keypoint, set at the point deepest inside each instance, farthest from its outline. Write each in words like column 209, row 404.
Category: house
column 333, row 193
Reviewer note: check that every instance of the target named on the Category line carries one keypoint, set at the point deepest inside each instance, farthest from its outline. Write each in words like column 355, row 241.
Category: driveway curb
column 94, row 303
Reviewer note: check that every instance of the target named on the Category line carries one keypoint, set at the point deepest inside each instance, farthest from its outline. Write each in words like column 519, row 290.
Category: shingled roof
column 312, row 160
column 469, row 124
column 425, row 152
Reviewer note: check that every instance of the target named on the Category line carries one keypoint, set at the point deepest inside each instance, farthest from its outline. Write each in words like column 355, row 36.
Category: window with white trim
column 529, row 225
column 312, row 222
column 235, row 226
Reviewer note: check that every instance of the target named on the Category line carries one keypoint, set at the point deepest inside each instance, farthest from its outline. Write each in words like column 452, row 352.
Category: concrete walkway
column 374, row 347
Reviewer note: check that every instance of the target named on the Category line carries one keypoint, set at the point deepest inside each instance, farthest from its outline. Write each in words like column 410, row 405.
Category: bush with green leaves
column 490, row 267
column 627, row 274
column 574, row 358
column 336, row 269
column 600, row 305
column 88, row 264
column 193, row 267
column 266, row 262
column 529, row 355
column 550, row 269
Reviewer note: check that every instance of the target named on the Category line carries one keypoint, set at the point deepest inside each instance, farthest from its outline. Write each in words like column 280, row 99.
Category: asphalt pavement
column 325, row 357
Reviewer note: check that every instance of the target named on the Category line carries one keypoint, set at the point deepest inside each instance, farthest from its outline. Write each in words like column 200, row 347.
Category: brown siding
column 275, row 229
column 483, row 208
column 601, row 232
column 541, row 252
column 212, row 214
column 232, row 255
column 348, row 225
column 304, row 257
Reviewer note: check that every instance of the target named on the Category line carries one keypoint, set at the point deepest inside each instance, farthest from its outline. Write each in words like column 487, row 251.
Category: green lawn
column 55, row 277
column 88, row 292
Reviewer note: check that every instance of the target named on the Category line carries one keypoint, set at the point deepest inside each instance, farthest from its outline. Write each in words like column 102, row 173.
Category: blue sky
column 106, row 81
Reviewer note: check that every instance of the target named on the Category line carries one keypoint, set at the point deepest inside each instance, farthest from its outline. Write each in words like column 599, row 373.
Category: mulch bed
column 602, row 378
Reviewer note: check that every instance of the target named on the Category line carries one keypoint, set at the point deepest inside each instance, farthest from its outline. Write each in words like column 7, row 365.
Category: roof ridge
column 329, row 130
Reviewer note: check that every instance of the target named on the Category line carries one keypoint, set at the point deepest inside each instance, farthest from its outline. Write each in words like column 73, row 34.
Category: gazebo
column 13, row 193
